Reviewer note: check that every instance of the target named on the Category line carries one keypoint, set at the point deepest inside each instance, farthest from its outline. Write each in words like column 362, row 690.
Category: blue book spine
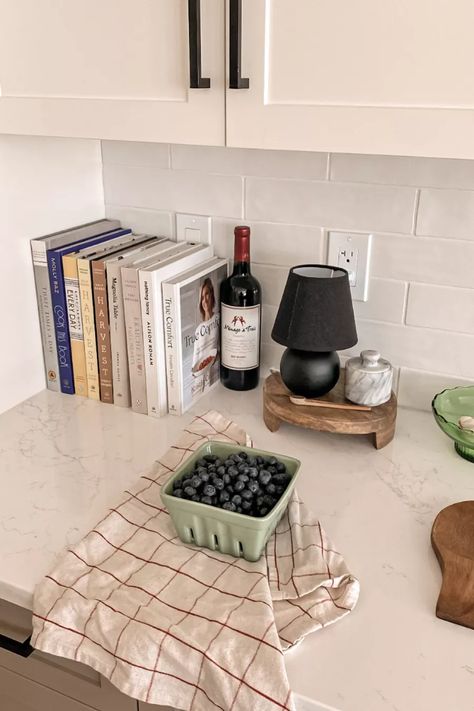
column 58, row 298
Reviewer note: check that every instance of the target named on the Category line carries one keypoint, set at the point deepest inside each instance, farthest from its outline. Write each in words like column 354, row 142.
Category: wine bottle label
column 240, row 337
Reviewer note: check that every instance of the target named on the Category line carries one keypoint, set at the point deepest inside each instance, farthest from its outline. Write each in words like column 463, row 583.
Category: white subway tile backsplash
column 418, row 348
column 386, row 301
column 420, row 311
column 446, row 213
column 401, row 170
column 423, row 259
column 131, row 153
column 333, row 205
column 417, row 388
column 152, row 222
column 441, row 307
column 244, row 161
column 179, row 191
column 284, row 245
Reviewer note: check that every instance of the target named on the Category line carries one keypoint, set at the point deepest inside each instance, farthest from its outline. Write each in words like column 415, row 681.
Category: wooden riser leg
column 384, row 437
column 272, row 422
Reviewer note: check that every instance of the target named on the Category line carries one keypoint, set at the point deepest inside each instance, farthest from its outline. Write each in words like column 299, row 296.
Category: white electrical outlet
column 193, row 228
column 352, row 252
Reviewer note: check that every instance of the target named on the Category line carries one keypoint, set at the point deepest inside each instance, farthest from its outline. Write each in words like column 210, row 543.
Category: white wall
column 421, row 211
column 46, row 184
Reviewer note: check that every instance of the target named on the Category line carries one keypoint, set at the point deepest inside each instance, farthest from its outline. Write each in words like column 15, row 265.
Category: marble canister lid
column 370, row 360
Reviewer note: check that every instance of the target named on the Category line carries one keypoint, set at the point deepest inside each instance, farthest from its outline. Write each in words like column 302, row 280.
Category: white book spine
column 118, row 339
column 133, row 330
column 45, row 312
column 148, row 332
column 157, row 333
column 172, row 330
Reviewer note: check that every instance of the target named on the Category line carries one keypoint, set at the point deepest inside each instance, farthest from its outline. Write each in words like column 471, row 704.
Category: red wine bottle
column 240, row 297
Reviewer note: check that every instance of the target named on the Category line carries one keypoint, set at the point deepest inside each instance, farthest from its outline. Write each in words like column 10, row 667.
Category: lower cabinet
column 44, row 682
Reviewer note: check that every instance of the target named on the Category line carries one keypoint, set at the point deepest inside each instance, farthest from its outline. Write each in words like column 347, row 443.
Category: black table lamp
column 314, row 320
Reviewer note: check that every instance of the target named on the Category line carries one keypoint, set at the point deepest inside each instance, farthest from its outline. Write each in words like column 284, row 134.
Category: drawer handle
column 23, row 649
column 194, row 16
column 235, row 46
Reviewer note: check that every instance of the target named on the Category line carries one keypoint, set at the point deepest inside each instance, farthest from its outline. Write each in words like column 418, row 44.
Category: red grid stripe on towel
column 187, row 627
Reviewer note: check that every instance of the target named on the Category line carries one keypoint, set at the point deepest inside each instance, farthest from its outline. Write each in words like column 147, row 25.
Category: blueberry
column 196, row 497
column 264, row 477
column 252, row 472
column 177, row 484
column 229, row 506
column 243, row 455
column 280, row 467
column 186, row 482
column 281, row 478
column 251, row 461
column 279, row 489
column 239, row 509
column 218, row 483
column 272, row 461
column 228, row 462
column 268, row 501
column 178, row 493
column 259, row 501
column 259, row 459
column 196, row 481
column 246, row 494
column 239, row 485
column 232, row 470
column 252, row 486
column 243, row 477
column 246, row 506
column 221, row 470
column 270, row 488
column 224, row 496
column 226, row 479
column 190, row 491
column 243, row 468
column 206, row 500
column 209, row 490
column 211, row 458
column 235, row 457
column 263, row 511
column 205, row 476
column 237, row 500
column 201, row 463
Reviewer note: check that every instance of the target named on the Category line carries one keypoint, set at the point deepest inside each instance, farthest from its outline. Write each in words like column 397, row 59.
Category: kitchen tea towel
column 183, row 626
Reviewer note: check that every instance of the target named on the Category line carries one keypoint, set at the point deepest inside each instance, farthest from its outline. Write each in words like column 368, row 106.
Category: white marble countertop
column 64, row 460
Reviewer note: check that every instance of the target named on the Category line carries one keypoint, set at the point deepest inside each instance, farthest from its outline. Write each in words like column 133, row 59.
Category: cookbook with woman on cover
column 191, row 320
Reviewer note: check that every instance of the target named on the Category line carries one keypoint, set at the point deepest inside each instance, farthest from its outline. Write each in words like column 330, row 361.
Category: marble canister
column 368, row 379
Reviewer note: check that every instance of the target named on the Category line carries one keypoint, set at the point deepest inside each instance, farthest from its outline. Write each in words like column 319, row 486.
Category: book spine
column 147, row 311
column 45, row 313
column 88, row 324
column 101, row 313
column 133, row 330
column 60, row 319
column 118, row 340
column 76, row 333
column 172, row 331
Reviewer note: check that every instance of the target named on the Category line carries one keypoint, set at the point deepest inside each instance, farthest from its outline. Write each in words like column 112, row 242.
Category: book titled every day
column 59, row 307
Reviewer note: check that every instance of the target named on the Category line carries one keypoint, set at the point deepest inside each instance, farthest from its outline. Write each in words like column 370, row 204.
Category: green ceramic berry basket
column 448, row 406
column 228, row 532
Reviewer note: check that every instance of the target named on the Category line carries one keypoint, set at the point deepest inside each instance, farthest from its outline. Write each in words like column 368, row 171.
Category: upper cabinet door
column 366, row 76
column 117, row 69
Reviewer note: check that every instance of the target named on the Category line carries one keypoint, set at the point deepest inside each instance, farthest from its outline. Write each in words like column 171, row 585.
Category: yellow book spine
column 76, row 333
column 88, row 324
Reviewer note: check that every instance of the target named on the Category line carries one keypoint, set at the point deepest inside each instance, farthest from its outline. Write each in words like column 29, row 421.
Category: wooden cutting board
column 452, row 538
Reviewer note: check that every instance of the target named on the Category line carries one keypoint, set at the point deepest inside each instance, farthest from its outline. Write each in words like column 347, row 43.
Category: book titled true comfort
column 191, row 322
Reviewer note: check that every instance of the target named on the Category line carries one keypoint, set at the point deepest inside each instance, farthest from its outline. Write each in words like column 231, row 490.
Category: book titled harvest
column 191, row 322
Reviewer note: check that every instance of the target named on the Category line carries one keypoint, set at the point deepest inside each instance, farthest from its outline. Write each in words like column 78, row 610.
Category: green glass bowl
column 448, row 406
column 226, row 531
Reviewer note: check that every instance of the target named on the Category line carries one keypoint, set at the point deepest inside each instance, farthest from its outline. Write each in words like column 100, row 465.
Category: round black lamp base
column 308, row 373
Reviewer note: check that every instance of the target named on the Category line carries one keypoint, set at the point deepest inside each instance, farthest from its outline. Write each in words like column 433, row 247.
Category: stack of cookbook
column 128, row 319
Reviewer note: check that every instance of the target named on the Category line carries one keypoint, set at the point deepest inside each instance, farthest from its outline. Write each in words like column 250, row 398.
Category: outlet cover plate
column 193, row 228
column 352, row 251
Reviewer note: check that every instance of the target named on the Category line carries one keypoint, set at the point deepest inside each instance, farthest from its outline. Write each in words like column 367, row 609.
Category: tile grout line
column 328, row 167
column 405, row 304
column 415, row 211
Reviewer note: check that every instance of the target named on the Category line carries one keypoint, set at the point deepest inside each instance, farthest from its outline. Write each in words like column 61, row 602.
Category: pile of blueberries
column 243, row 483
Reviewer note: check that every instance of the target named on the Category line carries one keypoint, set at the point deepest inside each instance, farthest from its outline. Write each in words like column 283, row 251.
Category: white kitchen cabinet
column 43, row 682
column 117, row 69
column 372, row 76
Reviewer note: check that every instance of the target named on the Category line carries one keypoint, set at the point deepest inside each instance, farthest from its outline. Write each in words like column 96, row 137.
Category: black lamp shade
column 316, row 312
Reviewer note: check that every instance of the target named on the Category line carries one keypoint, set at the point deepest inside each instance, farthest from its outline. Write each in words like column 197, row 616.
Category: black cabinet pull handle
column 23, row 649
column 194, row 18
column 235, row 46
